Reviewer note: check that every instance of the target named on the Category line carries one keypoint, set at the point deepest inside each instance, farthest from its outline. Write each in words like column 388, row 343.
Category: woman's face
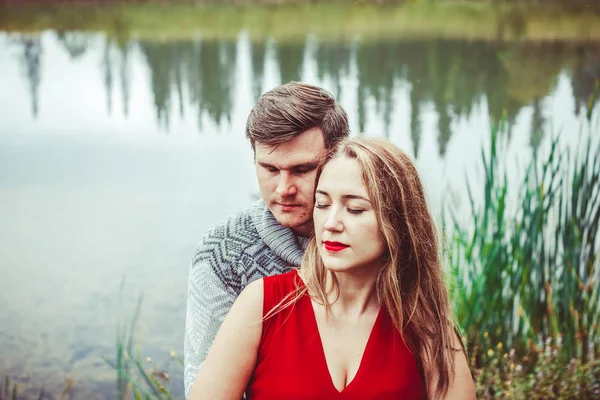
column 346, row 227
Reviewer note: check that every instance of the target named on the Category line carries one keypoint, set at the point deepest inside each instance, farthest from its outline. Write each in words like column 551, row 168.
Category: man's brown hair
column 288, row 110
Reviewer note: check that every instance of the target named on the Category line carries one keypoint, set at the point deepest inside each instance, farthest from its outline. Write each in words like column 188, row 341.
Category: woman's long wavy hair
column 410, row 283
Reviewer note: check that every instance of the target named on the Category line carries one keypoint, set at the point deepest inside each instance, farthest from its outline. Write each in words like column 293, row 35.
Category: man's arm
column 209, row 300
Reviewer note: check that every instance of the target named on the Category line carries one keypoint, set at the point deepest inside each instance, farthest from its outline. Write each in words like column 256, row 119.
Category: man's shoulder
column 227, row 240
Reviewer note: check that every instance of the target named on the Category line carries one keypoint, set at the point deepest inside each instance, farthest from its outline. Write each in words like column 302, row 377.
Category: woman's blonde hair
column 410, row 283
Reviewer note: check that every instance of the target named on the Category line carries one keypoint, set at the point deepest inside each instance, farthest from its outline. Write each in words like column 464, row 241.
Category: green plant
column 593, row 98
column 527, row 276
column 137, row 378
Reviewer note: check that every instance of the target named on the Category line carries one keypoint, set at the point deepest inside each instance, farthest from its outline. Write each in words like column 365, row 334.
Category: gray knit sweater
column 245, row 247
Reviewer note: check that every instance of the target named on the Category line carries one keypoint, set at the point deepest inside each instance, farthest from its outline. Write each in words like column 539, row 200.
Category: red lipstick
column 335, row 246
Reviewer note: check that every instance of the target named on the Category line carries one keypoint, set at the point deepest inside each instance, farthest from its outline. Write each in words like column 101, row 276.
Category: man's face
column 286, row 175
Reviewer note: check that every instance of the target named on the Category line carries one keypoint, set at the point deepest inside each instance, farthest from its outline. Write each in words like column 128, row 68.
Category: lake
column 122, row 141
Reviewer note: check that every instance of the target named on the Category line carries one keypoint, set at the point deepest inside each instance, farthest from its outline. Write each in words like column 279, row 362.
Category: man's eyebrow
column 266, row 165
column 344, row 196
column 307, row 165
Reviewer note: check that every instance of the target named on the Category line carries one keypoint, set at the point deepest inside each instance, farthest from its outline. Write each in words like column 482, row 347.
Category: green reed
column 523, row 275
column 137, row 378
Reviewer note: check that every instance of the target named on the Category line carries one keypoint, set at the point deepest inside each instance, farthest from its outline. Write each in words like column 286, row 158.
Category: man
column 290, row 129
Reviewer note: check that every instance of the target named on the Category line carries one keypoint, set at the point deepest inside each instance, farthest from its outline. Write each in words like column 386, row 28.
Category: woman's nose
column 333, row 222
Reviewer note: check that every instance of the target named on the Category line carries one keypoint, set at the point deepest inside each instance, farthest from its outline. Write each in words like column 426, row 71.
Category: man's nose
column 286, row 185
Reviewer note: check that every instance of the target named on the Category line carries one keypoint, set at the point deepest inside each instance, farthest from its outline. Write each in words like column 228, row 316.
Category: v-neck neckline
column 368, row 345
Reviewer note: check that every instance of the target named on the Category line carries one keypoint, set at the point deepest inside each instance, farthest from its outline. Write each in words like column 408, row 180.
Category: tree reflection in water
column 453, row 77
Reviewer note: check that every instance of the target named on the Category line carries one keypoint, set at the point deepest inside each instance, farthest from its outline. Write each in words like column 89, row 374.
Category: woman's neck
column 356, row 292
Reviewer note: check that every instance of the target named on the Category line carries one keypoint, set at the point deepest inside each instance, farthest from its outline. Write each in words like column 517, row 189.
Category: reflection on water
column 116, row 156
column 452, row 76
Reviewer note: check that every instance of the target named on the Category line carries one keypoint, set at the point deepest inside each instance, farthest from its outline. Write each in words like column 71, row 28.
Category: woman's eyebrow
column 355, row 196
column 344, row 196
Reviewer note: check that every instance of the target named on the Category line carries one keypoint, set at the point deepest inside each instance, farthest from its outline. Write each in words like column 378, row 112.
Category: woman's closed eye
column 355, row 211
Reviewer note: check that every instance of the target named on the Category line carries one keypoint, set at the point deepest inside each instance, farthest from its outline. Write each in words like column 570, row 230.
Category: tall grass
column 526, row 276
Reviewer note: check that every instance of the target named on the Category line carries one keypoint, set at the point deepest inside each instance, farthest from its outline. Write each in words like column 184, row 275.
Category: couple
column 331, row 287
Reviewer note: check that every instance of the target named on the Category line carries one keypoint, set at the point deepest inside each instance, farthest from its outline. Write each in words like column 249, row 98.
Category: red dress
column 291, row 362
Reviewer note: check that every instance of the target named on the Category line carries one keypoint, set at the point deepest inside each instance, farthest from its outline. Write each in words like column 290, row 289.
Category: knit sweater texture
column 245, row 247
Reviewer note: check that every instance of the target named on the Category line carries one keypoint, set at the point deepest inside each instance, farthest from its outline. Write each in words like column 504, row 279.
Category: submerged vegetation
column 10, row 390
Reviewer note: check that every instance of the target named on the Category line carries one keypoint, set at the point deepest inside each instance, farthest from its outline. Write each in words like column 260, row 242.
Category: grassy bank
column 423, row 19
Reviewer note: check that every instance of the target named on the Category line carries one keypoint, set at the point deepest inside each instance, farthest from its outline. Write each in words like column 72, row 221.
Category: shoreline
column 160, row 21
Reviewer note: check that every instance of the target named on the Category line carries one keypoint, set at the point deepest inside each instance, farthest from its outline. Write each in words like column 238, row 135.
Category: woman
column 366, row 316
